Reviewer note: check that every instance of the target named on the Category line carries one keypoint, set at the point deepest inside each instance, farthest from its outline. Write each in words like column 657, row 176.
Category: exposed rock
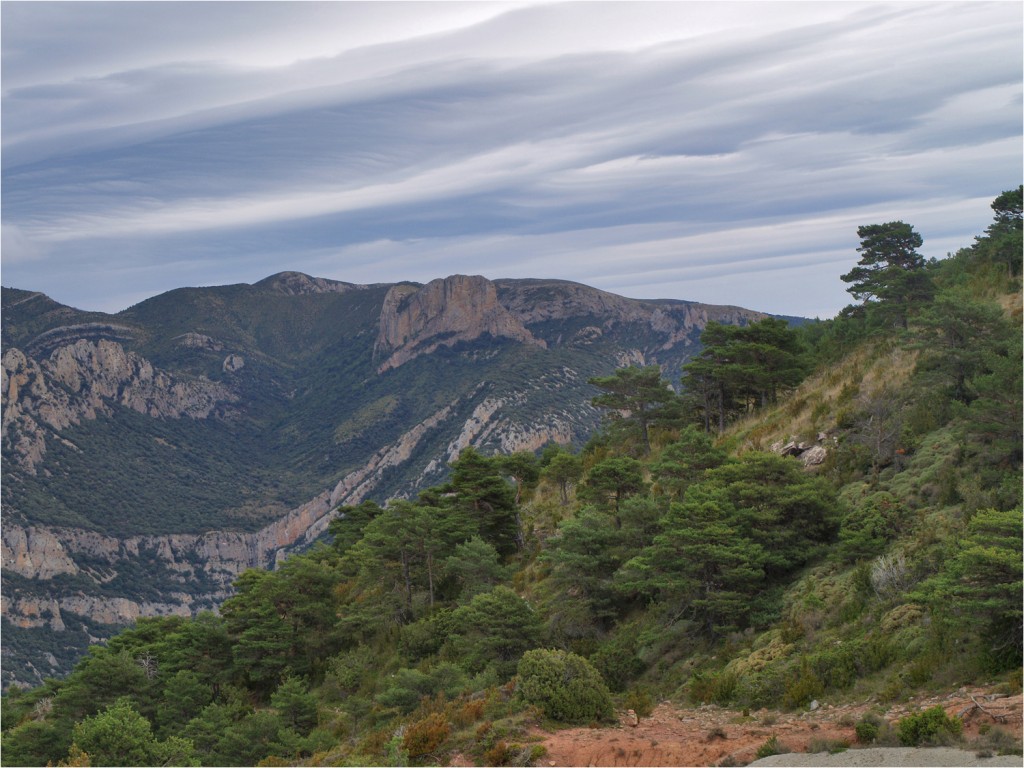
column 355, row 486
column 415, row 321
column 192, row 340
column 297, row 283
column 65, row 334
column 34, row 553
column 83, row 380
column 814, row 456
column 537, row 301
column 41, row 553
column 233, row 363
column 810, row 454
column 494, row 422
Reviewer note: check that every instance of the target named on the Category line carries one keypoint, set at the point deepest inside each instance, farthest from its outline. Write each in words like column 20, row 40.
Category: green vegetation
column 672, row 557
column 565, row 686
column 740, row 369
column 927, row 727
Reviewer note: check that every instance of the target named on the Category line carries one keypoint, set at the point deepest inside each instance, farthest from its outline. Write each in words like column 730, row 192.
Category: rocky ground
column 710, row 735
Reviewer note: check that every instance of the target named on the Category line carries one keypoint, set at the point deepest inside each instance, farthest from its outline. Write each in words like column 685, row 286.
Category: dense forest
column 675, row 555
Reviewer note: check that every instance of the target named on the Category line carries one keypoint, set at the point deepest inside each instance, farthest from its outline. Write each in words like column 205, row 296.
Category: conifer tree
column 890, row 275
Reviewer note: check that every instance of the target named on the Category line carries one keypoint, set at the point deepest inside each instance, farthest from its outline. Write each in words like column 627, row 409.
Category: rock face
column 416, row 321
column 213, row 560
column 84, row 379
column 42, row 552
column 538, row 301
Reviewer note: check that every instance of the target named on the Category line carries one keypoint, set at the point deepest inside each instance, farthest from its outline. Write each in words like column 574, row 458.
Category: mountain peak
column 298, row 283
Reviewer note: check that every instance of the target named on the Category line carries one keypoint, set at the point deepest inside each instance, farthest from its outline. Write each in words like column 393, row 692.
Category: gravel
column 896, row 757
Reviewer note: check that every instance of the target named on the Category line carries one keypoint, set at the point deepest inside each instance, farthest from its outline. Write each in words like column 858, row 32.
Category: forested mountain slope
column 151, row 456
column 828, row 511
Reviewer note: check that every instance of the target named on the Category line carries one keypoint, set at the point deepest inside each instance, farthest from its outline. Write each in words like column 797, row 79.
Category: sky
column 720, row 152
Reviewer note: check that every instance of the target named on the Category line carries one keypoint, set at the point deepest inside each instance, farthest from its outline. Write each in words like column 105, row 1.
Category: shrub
column 927, row 727
column 639, row 700
column 890, row 575
column 866, row 730
column 499, row 754
column 802, row 686
column 425, row 736
column 469, row 712
column 996, row 741
column 718, row 688
column 771, row 747
column 869, row 528
column 832, row 746
column 618, row 663
column 565, row 686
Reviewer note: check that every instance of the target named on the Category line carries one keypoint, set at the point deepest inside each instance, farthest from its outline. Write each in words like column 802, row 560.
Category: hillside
column 822, row 526
column 151, row 456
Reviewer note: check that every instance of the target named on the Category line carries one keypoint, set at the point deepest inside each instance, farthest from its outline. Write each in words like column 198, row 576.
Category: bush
column 802, row 685
column 866, row 730
column 871, row 526
column 425, row 736
column 639, row 700
column 618, row 663
column 565, row 686
column 832, row 746
column 928, row 726
column 771, row 747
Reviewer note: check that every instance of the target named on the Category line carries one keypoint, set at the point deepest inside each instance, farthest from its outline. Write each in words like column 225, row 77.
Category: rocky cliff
column 415, row 321
column 84, row 379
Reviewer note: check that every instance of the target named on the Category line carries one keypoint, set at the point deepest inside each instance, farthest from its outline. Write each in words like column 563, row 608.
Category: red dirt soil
column 707, row 735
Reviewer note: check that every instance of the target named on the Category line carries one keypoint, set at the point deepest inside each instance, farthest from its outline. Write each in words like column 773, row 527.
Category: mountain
column 151, row 456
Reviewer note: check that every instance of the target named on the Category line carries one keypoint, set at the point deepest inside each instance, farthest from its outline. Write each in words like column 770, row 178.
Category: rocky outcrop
column 34, row 553
column 66, row 334
column 538, row 301
column 83, row 380
column 233, row 363
column 357, row 485
column 43, row 552
column 30, row 612
column 417, row 320
column 198, row 569
column 193, row 340
column 811, row 454
column 493, row 422
column 297, row 284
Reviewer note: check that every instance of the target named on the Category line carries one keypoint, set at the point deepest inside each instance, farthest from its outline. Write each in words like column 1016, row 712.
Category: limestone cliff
column 195, row 572
column 416, row 321
column 81, row 381
column 672, row 322
column 43, row 552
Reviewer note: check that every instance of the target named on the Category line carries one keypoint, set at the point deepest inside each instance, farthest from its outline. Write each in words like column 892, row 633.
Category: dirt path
column 709, row 735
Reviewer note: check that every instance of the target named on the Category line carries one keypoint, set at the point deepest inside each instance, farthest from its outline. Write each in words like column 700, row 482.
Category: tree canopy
column 891, row 273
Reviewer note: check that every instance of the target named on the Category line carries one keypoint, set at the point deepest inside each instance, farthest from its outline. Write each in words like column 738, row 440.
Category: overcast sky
column 718, row 152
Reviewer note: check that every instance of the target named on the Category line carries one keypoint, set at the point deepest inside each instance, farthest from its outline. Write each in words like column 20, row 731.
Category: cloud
column 638, row 146
column 17, row 247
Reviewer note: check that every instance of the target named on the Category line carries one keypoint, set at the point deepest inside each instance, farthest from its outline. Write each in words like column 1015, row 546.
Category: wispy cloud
column 670, row 149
